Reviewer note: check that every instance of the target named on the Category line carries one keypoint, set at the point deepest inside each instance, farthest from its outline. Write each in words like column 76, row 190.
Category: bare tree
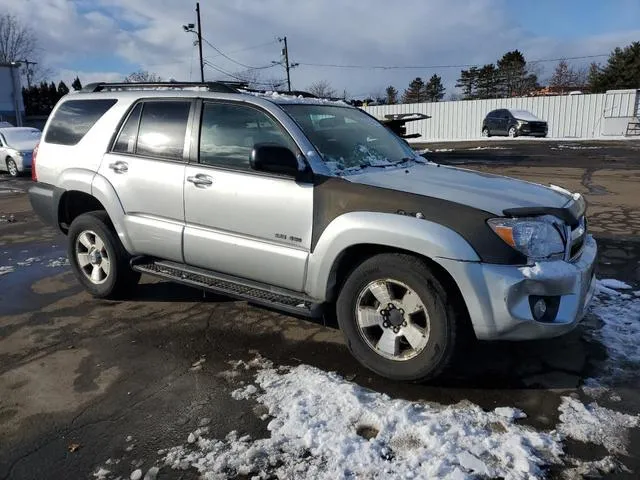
column 565, row 77
column 18, row 44
column 322, row 89
column 142, row 76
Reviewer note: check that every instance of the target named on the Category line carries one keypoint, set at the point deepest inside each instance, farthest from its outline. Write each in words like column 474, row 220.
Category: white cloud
column 149, row 33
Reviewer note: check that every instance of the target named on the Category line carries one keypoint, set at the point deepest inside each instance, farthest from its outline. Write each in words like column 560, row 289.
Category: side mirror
column 274, row 159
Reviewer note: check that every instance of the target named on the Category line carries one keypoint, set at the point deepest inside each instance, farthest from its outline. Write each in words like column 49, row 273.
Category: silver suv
column 312, row 207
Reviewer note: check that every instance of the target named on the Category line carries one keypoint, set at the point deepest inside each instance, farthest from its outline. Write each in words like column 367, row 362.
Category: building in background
column 11, row 104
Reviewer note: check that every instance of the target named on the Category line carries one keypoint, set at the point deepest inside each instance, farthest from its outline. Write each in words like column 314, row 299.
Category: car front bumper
column 497, row 296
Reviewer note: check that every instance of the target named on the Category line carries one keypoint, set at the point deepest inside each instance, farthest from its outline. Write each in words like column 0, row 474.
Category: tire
column 433, row 351
column 92, row 239
column 12, row 167
column 513, row 132
column 485, row 132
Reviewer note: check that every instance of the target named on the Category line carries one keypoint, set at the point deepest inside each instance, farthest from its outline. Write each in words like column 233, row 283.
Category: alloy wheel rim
column 92, row 256
column 12, row 167
column 392, row 319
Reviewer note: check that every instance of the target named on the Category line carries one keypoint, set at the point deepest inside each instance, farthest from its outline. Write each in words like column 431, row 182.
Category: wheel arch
column 352, row 238
column 84, row 191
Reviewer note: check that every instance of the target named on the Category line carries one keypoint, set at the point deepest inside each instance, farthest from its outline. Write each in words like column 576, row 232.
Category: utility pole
column 200, row 42
column 287, row 66
column 286, row 62
column 28, row 70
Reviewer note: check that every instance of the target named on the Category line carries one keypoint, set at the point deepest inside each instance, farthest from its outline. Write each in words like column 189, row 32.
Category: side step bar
column 254, row 292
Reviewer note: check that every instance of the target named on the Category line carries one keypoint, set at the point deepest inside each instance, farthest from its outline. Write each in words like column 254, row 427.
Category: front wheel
column 513, row 132
column 98, row 258
column 12, row 168
column 396, row 318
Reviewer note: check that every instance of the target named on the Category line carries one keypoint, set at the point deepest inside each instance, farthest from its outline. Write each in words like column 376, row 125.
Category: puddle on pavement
column 31, row 263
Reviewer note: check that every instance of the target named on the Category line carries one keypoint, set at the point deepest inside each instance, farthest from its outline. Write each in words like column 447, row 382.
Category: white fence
column 568, row 116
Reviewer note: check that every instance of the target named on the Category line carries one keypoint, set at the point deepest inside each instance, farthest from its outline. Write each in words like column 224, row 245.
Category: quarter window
column 74, row 118
column 126, row 142
column 229, row 132
column 163, row 127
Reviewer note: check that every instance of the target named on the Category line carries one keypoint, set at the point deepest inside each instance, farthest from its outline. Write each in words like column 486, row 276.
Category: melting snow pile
column 619, row 333
column 326, row 427
column 595, row 424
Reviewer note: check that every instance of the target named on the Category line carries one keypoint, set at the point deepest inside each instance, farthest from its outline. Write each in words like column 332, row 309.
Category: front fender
column 422, row 237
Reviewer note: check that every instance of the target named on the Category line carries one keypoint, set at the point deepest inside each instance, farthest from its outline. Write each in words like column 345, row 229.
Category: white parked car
column 16, row 149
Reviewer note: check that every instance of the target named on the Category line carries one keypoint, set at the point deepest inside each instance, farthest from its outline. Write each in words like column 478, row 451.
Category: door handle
column 201, row 180
column 119, row 167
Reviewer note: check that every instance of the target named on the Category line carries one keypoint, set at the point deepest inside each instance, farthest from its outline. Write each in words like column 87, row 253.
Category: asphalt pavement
column 87, row 382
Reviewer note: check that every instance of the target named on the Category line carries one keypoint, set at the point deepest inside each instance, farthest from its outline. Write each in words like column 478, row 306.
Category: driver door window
column 229, row 132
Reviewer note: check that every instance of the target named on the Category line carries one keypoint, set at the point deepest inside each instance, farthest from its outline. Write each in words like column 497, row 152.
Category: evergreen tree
column 621, row 71
column 468, row 82
column 62, row 89
column 515, row 76
column 415, row 92
column 434, row 90
column 488, row 82
column 392, row 95
column 76, row 85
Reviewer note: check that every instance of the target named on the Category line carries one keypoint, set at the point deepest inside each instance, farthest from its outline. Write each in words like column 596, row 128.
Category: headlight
column 537, row 239
column 16, row 153
column 522, row 123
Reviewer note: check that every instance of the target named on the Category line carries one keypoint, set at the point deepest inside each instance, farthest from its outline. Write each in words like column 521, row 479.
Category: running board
column 254, row 292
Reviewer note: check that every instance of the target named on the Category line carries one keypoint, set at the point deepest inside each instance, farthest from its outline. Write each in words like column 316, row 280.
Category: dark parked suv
column 513, row 123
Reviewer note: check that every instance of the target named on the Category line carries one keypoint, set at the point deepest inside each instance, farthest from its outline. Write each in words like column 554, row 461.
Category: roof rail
column 297, row 93
column 221, row 87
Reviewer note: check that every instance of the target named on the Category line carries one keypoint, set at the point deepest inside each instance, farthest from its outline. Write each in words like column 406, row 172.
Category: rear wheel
column 396, row 319
column 98, row 258
column 12, row 167
column 485, row 132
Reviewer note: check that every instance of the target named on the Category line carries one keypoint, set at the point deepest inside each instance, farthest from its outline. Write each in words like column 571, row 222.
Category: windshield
column 21, row 138
column 524, row 115
column 348, row 139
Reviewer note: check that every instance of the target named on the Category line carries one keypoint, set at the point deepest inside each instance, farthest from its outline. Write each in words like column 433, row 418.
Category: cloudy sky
column 107, row 39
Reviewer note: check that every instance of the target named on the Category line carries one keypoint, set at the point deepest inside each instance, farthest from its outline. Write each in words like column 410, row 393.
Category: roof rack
column 221, row 87
column 297, row 93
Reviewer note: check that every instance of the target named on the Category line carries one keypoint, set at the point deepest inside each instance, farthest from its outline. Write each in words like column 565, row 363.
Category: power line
column 220, row 52
column 427, row 67
column 243, row 49
column 236, row 77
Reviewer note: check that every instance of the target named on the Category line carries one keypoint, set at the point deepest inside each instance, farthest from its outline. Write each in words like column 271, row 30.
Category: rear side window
column 126, row 142
column 163, row 127
column 74, row 118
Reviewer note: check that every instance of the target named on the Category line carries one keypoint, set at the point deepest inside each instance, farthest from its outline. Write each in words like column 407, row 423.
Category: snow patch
column 620, row 335
column 575, row 147
column 551, row 269
column 29, row 261
column 593, row 469
column 7, row 269
column 136, row 474
column 489, row 148
column 244, row 393
column 595, row 424
column 524, row 115
column 318, row 427
column 615, row 284
column 59, row 262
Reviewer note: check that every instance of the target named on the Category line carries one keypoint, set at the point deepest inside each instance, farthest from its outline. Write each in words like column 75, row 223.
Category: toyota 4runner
column 312, row 207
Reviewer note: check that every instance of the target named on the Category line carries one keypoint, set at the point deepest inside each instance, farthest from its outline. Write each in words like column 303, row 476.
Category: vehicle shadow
column 166, row 291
